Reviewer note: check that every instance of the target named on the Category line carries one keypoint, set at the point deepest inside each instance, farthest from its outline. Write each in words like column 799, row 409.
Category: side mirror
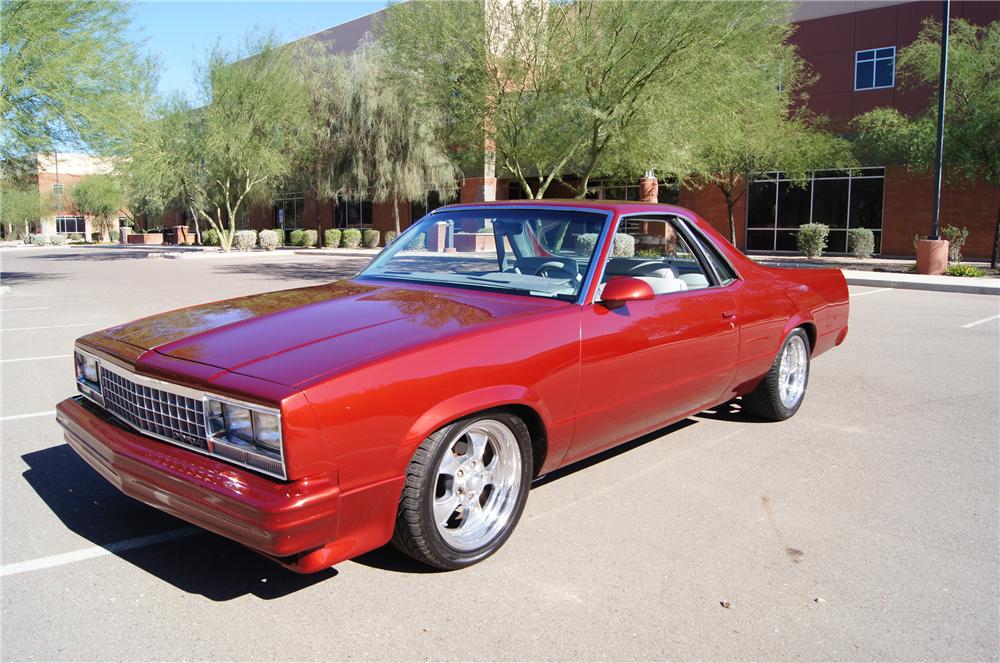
column 623, row 289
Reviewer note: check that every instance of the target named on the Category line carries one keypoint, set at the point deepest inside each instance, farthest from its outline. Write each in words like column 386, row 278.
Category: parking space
column 865, row 527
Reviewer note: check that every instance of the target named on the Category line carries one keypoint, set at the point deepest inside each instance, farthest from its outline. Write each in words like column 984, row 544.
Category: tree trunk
column 395, row 215
column 996, row 243
column 730, row 204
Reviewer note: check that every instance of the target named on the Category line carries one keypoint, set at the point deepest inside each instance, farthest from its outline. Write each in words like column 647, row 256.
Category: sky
column 180, row 34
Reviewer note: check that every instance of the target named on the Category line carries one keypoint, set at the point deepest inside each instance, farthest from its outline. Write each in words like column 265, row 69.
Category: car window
column 541, row 252
column 722, row 268
column 655, row 251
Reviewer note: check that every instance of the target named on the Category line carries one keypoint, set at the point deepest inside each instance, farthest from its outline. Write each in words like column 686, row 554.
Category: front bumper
column 290, row 521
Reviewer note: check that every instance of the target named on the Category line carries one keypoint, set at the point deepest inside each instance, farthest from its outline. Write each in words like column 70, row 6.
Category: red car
column 417, row 401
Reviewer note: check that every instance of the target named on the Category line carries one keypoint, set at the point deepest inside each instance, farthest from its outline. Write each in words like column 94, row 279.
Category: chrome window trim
column 701, row 238
column 107, row 363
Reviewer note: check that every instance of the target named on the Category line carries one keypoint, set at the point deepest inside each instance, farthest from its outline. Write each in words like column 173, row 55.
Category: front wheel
column 780, row 394
column 465, row 490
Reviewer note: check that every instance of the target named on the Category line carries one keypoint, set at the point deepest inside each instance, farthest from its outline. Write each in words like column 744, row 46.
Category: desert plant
column 331, row 238
column 116, row 235
column 917, row 239
column 75, row 237
column 861, row 242
column 624, row 246
column 59, row 240
column 956, row 241
column 210, row 237
column 370, row 238
column 279, row 234
column 811, row 239
column 351, row 238
column 268, row 240
column 310, row 238
column 39, row 240
column 297, row 237
column 244, row 240
column 389, row 237
column 960, row 269
column 586, row 242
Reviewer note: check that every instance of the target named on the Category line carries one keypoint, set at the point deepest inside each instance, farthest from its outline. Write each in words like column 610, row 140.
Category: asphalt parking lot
column 866, row 527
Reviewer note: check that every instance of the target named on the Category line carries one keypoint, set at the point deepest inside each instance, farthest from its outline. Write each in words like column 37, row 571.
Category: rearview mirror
column 623, row 289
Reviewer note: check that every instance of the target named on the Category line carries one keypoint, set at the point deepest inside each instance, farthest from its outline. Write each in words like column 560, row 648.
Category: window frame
column 687, row 229
column 76, row 219
column 875, row 60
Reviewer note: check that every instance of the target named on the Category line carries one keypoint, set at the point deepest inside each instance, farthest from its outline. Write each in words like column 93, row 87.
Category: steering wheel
column 549, row 266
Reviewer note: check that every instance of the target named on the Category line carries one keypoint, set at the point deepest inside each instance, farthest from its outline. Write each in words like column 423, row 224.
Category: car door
column 650, row 362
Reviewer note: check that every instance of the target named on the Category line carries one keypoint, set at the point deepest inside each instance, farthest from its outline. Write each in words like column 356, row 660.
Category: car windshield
column 543, row 252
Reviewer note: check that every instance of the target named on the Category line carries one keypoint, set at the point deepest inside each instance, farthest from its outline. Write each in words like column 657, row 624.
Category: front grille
column 155, row 411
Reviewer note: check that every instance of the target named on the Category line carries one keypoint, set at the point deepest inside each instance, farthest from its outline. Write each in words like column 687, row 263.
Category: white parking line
column 869, row 292
column 979, row 322
column 28, row 308
column 75, row 324
column 32, row 415
column 7, row 361
column 95, row 551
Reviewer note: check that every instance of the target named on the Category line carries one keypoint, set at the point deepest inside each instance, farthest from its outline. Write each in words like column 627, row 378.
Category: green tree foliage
column 972, row 111
column 755, row 129
column 20, row 208
column 102, row 197
column 592, row 87
column 389, row 146
column 71, row 76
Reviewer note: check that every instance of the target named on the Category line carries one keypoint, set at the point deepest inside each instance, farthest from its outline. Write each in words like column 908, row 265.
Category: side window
column 654, row 250
column 721, row 266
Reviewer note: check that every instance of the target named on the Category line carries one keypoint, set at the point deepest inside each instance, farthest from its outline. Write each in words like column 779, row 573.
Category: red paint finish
column 364, row 370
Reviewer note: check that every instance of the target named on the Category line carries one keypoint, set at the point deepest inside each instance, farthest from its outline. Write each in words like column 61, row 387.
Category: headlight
column 88, row 374
column 254, row 431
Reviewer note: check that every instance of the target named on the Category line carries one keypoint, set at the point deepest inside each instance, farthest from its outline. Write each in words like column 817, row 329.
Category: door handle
column 728, row 315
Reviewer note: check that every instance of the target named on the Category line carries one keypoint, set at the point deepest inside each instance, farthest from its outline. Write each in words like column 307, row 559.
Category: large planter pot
column 473, row 242
column 932, row 256
column 145, row 238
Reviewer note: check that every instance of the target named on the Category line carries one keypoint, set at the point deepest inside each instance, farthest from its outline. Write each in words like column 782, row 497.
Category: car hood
column 293, row 336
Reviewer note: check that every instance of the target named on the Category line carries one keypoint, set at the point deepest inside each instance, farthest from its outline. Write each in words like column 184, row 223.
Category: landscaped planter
column 474, row 242
column 145, row 238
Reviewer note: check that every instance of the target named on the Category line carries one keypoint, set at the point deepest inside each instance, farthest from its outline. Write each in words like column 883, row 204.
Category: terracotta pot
column 932, row 256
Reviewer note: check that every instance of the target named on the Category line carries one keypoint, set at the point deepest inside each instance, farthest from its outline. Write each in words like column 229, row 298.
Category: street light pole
column 939, row 151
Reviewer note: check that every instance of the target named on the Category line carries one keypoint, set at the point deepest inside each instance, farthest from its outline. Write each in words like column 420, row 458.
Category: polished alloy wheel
column 792, row 371
column 478, row 478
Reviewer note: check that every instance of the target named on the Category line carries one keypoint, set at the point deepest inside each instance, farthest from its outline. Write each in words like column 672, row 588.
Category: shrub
column 59, row 240
column 310, row 238
column 648, row 253
column 861, row 242
column 297, row 237
column 39, row 240
column 370, row 238
column 244, row 240
column 956, row 241
column 959, row 269
column 586, row 242
column 351, row 238
column 331, row 238
column 389, row 237
column 268, row 240
column 624, row 246
column 812, row 239
column 115, row 234
column 75, row 237
column 210, row 237
column 917, row 239
column 418, row 243
column 279, row 234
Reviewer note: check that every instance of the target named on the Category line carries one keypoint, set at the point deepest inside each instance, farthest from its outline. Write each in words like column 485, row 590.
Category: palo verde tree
column 389, row 148
column 69, row 76
column 972, row 111
column 564, row 88
column 246, row 136
column 102, row 197
column 21, row 206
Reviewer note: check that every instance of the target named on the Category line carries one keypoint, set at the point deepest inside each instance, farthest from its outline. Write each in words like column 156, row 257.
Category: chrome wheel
column 477, row 483
column 792, row 371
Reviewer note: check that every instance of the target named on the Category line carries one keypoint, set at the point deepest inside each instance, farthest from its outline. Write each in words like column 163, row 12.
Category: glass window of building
column 875, row 68
column 70, row 224
column 288, row 210
column 777, row 206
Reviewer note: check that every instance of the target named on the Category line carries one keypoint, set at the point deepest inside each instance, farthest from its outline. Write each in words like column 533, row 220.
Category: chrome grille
column 155, row 411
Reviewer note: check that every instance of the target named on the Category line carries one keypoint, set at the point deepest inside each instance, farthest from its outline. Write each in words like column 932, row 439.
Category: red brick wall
column 909, row 203
column 709, row 203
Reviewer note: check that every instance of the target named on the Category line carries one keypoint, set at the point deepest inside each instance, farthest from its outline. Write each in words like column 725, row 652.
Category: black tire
column 416, row 533
column 765, row 401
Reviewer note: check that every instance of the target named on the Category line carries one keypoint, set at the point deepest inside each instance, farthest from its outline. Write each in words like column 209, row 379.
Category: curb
column 889, row 282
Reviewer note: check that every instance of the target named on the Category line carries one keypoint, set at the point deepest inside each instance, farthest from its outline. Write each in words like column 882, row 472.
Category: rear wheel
column 780, row 394
column 465, row 490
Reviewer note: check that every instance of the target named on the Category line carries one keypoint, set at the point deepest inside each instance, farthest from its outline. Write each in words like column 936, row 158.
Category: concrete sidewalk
column 963, row 284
